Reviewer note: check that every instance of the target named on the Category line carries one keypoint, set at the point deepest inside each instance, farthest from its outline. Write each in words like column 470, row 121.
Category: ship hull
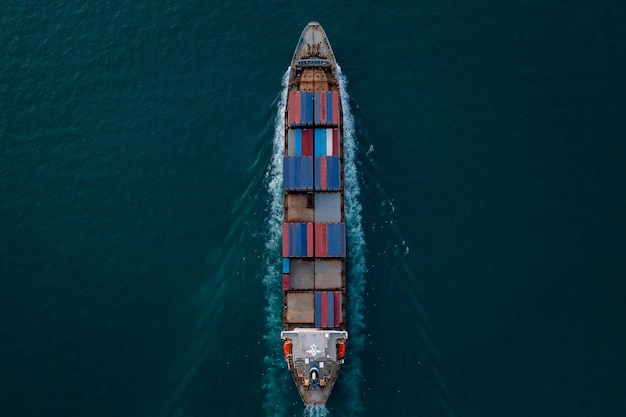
column 314, row 230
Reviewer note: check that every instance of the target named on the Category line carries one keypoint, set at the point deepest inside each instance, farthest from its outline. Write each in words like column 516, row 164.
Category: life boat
column 287, row 348
column 341, row 350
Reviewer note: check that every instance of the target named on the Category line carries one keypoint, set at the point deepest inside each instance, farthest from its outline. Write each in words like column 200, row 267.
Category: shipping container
column 285, row 239
column 329, row 108
column 291, row 142
column 306, row 108
column 325, row 108
column 330, row 240
column 285, row 265
column 294, row 108
column 330, row 146
column 285, row 282
column 327, row 173
column 335, row 107
column 327, row 308
column 298, row 240
column 300, row 142
column 310, row 108
column 331, row 309
column 316, row 106
column 301, row 108
column 321, row 240
column 297, row 173
column 320, row 142
column 307, row 142
column 336, row 239
column 335, row 139
column 326, row 142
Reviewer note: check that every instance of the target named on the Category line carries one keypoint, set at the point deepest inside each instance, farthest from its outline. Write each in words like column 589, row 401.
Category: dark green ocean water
column 136, row 171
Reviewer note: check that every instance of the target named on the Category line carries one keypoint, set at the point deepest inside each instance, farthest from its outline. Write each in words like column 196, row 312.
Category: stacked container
column 313, row 251
column 307, row 108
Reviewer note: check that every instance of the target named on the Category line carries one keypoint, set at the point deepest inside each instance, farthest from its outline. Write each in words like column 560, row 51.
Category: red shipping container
column 285, row 282
column 323, row 173
column 335, row 107
column 335, row 142
column 285, row 240
column 294, row 107
column 321, row 240
column 307, row 142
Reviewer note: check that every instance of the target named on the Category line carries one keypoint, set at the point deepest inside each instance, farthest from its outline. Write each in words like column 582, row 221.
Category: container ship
column 314, row 231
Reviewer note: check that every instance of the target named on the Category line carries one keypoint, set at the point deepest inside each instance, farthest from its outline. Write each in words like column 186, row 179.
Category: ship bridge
column 313, row 62
column 314, row 357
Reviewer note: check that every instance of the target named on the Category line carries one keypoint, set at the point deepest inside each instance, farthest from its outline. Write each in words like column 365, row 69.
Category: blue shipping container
column 320, row 142
column 285, row 265
column 298, row 133
column 332, row 240
column 342, row 239
column 333, row 172
column 336, row 239
column 300, row 240
column 309, row 103
column 303, row 239
column 294, row 240
column 306, row 108
column 297, row 173
column 316, row 107
column 287, row 168
column 329, row 107
column 318, row 309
